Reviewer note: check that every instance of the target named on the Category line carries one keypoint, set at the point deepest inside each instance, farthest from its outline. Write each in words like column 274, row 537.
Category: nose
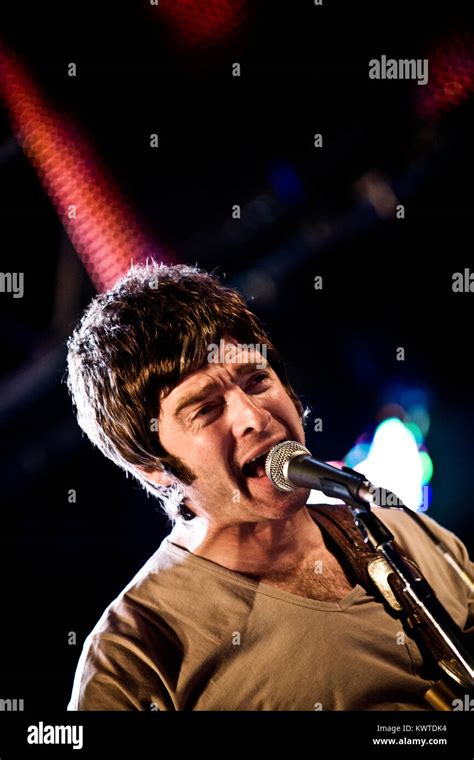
column 248, row 415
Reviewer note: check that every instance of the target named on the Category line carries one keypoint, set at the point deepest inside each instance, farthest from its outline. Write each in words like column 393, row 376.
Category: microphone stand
column 426, row 610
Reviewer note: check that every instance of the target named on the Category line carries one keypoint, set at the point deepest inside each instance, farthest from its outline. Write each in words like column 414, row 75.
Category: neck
column 252, row 548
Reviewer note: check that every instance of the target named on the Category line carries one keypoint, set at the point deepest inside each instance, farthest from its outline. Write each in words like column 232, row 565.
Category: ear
column 158, row 477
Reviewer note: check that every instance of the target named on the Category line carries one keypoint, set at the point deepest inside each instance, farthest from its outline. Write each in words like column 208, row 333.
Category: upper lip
column 263, row 449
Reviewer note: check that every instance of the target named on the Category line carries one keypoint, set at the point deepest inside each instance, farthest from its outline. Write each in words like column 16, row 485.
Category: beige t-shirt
column 188, row 634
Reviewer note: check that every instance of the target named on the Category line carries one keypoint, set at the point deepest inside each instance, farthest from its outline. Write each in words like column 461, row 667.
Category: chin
column 281, row 505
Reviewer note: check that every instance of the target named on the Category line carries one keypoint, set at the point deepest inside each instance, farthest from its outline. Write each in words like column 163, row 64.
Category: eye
column 258, row 379
column 204, row 410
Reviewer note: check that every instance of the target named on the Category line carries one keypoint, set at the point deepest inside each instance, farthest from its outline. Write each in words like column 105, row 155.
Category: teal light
column 416, row 432
column 427, row 466
column 419, row 414
column 357, row 455
column 388, row 422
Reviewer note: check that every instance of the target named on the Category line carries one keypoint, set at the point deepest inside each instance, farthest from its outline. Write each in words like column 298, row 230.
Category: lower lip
column 263, row 483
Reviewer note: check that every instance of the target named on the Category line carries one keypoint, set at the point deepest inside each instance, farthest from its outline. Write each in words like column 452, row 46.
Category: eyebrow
column 201, row 395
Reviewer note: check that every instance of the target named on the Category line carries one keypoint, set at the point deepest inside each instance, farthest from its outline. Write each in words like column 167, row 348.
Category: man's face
column 215, row 421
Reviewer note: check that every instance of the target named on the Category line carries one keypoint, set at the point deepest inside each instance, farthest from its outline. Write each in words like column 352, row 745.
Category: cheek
column 286, row 405
column 165, row 434
column 174, row 441
column 288, row 411
column 203, row 450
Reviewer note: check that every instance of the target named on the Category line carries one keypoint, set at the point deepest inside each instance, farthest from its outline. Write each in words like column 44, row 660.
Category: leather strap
column 338, row 521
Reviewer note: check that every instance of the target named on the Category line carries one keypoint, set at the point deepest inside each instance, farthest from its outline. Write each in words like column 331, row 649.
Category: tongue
column 255, row 469
column 260, row 470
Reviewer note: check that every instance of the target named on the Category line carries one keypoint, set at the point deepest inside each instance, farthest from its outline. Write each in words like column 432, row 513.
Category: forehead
column 227, row 361
column 214, row 373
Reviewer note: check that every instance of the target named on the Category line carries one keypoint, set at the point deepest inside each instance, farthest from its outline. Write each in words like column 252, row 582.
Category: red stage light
column 451, row 77
column 96, row 217
column 196, row 24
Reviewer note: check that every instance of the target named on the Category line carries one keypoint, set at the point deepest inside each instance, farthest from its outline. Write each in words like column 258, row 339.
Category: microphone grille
column 277, row 461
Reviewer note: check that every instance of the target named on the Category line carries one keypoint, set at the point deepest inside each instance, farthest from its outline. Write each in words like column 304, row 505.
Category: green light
column 357, row 455
column 416, row 432
column 388, row 421
column 427, row 466
column 419, row 414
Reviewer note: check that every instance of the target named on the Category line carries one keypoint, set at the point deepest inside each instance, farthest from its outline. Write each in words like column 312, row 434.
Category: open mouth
column 255, row 468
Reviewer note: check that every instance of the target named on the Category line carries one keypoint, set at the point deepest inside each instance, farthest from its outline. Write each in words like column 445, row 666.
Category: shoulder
column 411, row 536
column 121, row 666
column 418, row 546
column 149, row 591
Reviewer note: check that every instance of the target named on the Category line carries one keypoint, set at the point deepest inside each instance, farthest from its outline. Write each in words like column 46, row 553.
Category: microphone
column 289, row 465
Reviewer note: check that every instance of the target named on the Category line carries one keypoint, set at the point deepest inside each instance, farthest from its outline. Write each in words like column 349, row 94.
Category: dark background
column 226, row 140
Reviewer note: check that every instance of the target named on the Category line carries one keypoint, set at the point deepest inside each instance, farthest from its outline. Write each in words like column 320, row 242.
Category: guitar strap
column 338, row 521
column 377, row 577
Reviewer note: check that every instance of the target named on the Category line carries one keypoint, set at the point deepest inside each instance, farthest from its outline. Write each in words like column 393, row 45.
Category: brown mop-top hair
column 134, row 344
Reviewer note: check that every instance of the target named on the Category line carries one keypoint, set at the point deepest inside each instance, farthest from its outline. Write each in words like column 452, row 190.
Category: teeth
column 260, row 455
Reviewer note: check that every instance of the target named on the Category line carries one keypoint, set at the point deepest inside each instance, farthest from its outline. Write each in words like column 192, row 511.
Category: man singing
column 249, row 603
